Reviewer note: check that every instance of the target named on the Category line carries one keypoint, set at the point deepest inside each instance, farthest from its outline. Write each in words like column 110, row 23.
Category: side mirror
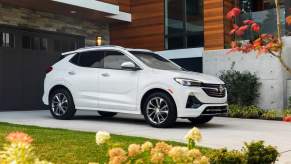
column 129, row 66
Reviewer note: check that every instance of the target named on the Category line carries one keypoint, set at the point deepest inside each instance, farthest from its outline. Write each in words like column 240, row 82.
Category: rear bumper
column 205, row 109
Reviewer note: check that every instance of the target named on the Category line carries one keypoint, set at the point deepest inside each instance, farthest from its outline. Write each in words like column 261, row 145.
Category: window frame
column 185, row 34
column 104, row 53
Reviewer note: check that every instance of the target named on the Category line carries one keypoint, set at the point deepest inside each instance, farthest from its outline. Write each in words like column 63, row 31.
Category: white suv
column 112, row 79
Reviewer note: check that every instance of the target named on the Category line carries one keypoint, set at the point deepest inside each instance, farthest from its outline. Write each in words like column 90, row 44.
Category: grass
column 66, row 146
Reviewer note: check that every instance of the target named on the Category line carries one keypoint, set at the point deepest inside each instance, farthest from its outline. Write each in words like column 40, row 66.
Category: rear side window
column 114, row 59
column 92, row 59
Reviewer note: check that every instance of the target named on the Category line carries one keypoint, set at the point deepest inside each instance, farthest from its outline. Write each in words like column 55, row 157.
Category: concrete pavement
column 219, row 133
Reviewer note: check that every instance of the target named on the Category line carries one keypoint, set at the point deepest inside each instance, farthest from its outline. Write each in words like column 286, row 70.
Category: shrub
column 258, row 153
column 270, row 115
column 227, row 157
column 238, row 111
column 287, row 112
column 243, row 87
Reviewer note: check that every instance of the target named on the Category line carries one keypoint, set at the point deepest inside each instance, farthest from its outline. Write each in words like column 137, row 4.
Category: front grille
column 215, row 110
column 214, row 90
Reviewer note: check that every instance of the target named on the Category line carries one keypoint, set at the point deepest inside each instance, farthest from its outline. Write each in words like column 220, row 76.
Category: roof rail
column 90, row 47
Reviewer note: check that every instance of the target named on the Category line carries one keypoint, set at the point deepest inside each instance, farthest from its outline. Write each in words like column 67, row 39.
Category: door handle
column 72, row 73
column 105, row 74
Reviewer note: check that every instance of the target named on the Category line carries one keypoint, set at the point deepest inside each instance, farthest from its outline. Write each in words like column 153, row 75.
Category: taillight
column 49, row 69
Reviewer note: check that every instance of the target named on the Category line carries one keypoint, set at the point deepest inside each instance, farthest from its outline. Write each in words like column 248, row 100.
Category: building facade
column 34, row 33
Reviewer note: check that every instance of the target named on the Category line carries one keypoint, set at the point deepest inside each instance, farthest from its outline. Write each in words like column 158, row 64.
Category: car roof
column 108, row 47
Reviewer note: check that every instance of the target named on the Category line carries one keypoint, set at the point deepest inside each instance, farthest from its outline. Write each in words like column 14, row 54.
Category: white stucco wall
column 273, row 91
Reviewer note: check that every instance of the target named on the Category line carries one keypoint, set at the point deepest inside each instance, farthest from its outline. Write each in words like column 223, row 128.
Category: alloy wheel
column 60, row 104
column 157, row 110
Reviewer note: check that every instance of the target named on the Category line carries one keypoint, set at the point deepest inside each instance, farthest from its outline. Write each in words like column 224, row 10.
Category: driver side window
column 114, row 59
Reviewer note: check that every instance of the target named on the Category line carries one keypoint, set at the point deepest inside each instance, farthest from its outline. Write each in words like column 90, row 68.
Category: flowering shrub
column 159, row 153
column 19, row 150
column 102, row 137
column 260, row 43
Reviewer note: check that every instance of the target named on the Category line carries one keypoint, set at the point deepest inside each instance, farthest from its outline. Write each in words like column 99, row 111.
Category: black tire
column 70, row 106
column 106, row 114
column 171, row 118
column 200, row 119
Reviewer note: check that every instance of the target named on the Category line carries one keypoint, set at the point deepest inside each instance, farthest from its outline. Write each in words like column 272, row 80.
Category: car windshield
column 154, row 60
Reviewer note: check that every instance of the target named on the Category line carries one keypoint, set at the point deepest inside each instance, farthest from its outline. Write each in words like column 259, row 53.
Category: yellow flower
column 179, row 154
column 194, row 135
column 162, row 147
column 204, row 160
column 116, row 152
column 194, row 153
column 117, row 156
column 147, row 146
column 134, row 150
column 157, row 158
column 102, row 137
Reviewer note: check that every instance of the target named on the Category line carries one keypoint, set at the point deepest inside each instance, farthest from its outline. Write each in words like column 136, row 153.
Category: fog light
column 193, row 102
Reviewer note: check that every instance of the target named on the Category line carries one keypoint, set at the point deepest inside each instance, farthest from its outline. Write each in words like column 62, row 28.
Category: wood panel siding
column 216, row 26
column 213, row 24
column 146, row 29
column 228, row 5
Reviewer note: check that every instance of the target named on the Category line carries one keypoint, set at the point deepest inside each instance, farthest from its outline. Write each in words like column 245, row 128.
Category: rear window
column 92, row 59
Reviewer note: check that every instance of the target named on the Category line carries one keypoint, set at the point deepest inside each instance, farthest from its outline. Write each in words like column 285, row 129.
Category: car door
column 83, row 76
column 118, row 87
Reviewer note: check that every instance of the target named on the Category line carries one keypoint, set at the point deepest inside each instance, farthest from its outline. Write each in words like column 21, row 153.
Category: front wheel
column 200, row 119
column 160, row 110
column 62, row 105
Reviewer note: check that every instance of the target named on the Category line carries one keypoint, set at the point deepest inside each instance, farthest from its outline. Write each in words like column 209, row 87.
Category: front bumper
column 208, row 105
column 205, row 109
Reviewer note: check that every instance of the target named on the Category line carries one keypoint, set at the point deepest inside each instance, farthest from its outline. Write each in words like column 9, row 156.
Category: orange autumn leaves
column 288, row 20
column 261, row 43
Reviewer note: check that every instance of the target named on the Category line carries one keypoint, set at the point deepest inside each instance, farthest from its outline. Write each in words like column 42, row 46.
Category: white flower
column 194, row 135
column 102, row 137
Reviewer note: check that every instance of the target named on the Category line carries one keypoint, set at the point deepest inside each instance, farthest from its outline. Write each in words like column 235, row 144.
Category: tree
column 260, row 43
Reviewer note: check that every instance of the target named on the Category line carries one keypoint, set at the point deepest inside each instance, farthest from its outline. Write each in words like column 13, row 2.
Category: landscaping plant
column 242, row 87
column 261, row 43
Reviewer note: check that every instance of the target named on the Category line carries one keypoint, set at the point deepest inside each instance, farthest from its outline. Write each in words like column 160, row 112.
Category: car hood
column 193, row 75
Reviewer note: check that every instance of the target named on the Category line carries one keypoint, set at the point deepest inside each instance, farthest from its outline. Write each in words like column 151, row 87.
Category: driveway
column 219, row 133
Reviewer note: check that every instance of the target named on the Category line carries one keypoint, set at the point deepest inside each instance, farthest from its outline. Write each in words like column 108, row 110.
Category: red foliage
column 287, row 119
column 249, row 22
column 288, row 20
column 262, row 43
column 233, row 13
column 256, row 27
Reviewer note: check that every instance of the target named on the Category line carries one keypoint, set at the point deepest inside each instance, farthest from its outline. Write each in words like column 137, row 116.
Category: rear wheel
column 160, row 110
column 62, row 104
column 200, row 119
column 106, row 114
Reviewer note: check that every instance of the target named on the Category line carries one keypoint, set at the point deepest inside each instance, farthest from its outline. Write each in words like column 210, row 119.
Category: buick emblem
column 220, row 89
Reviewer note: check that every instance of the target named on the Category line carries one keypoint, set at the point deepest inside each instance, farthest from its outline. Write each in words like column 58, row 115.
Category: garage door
column 24, row 56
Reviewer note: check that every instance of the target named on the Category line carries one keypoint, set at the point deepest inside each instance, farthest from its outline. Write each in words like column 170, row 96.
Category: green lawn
column 66, row 146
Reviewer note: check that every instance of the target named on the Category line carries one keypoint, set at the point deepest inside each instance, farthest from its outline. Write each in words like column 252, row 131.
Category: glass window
column 114, row 59
column 7, row 40
column 184, row 20
column 91, row 59
column 43, row 44
column 155, row 61
column 34, row 43
column 262, row 12
column 26, row 42
column 57, row 45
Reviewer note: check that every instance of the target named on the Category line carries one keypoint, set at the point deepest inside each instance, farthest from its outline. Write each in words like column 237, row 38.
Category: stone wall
column 273, row 91
column 21, row 17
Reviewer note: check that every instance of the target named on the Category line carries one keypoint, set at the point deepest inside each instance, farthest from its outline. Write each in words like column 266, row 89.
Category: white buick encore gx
column 113, row 79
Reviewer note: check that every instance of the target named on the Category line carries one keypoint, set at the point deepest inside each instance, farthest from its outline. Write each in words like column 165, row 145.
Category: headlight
column 188, row 82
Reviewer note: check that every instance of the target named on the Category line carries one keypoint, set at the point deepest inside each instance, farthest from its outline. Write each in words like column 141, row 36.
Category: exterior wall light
column 98, row 41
